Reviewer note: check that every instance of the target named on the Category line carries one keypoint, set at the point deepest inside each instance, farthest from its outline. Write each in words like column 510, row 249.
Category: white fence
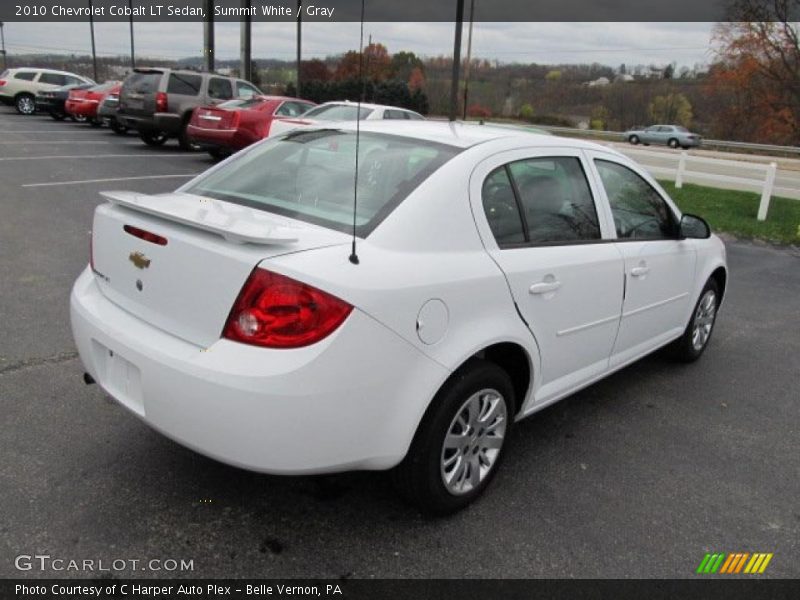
column 761, row 176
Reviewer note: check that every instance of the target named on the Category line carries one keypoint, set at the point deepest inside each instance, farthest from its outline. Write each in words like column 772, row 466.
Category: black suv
column 158, row 102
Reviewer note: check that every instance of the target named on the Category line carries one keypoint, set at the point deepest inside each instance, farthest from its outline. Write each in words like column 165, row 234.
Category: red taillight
column 145, row 235
column 161, row 102
column 275, row 311
column 2, row 82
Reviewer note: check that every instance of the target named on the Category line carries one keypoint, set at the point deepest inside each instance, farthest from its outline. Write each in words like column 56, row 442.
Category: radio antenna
column 353, row 254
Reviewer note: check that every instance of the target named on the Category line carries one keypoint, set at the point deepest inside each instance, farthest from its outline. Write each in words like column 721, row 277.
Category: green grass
column 735, row 212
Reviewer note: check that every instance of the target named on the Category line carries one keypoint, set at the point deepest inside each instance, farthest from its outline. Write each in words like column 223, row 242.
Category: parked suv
column 19, row 87
column 158, row 103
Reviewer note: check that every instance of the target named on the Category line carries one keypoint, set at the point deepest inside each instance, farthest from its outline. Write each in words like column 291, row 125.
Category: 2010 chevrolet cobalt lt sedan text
column 495, row 271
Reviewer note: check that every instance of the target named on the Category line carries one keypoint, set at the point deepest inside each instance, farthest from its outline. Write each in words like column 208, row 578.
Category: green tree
column 526, row 111
column 599, row 118
column 671, row 108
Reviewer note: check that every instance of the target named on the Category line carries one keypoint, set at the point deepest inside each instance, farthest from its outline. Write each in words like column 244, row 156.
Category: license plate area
column 119, row 377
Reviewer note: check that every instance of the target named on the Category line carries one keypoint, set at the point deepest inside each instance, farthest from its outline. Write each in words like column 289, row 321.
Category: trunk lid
column 138, row 93
column 187, row 286
column 209, row 117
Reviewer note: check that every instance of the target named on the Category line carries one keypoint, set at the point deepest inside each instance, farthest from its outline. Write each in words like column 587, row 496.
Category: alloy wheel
column 704, row 319
column 473, row 441
column 26, row 105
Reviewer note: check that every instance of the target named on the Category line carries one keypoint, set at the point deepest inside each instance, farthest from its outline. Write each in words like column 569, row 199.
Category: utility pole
column 245, row 45
column 3, row 46
column 299, row 42
column 208, row 35
column 456, row 60
column 469, row 56
column 91, row 29
column 133, row 56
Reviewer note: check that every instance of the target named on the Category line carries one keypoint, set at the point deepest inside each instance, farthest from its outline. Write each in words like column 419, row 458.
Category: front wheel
column 459, row 444
column 691, row 345
column 673, row 143
column 634, row 139
column 25, row 104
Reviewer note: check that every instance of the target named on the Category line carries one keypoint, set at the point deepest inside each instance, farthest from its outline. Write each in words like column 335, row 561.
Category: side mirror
column 694, row 227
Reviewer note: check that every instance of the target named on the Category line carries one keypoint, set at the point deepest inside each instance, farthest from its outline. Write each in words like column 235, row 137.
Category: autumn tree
column 759, row 68
column 314, row 70
column 403, row 64
column 377, row 64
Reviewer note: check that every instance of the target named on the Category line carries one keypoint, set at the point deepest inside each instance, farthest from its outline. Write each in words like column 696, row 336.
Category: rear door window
column 53, row 79
column 25, row 75
column 184, row 84
column 220, row 89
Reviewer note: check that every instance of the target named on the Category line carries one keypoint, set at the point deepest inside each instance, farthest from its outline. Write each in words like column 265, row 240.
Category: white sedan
column 332, row 112
column 492, row 273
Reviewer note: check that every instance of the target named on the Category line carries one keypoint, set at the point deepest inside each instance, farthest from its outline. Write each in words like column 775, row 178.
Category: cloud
column 607, row 43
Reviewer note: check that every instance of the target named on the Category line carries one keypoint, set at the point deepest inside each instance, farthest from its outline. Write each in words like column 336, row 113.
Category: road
column 637, row 476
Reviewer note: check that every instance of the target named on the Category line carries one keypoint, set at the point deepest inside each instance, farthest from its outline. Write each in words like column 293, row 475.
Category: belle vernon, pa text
column 137, row 589
column 176, row 10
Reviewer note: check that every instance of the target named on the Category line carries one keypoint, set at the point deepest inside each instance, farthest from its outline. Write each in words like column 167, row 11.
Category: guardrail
column 619, row 136
column 765, row 183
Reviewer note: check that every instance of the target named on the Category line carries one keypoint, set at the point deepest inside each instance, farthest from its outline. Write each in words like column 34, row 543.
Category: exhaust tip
column 88, row 379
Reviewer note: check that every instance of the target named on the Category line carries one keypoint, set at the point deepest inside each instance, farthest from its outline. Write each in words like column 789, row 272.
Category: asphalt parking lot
column 637, row 476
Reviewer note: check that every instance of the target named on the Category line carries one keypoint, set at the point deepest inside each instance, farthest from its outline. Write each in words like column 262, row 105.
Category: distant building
column 600, row 81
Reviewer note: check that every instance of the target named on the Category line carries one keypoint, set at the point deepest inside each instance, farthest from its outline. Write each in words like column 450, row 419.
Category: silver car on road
column 674, row 136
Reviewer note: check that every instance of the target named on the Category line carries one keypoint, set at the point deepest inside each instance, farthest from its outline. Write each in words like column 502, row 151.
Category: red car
column 235, row 124
column 83, row 104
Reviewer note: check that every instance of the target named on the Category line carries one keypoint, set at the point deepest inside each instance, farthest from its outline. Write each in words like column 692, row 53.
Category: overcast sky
column 606, row 43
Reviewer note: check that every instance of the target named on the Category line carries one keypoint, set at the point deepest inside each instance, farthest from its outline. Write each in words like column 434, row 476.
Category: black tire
column 117, row 128
column 95, row 122
column 58, row 116
column 25, row 104
column 153, row 138
column 183, row 139
column 634, row 139
column 419, row 478
column 673, row 143
column 218, row 154
column 684, row 348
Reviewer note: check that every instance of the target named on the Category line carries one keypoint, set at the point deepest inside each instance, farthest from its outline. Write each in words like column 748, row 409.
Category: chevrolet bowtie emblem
column 139, row 260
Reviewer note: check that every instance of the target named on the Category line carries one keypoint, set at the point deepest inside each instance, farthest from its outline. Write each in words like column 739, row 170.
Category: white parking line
column 173, row 154
column 52, row 183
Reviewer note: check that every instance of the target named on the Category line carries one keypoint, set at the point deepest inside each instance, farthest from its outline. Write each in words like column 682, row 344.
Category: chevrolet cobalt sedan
column 281, row 314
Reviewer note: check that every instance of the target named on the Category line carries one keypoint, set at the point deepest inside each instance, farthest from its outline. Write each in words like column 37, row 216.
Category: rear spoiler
column 234, row 223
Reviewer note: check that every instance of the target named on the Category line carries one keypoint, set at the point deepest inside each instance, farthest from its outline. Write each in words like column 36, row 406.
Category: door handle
column 544, row 287
column 640, row 271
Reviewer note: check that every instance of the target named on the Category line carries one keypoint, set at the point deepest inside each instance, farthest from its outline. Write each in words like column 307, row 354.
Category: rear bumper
column 76, row 107
column 168, row 123
column 227, row 139
column 337, row 405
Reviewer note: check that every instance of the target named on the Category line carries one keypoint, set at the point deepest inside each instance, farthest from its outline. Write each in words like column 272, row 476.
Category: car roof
column 41, row 70
column 465, row 134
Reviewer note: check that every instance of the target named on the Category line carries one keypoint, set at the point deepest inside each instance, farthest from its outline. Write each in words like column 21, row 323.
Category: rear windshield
column 103, row 87
column 242, row 103
column 187, row 85
column 338, row 112
column 309, row 175
column 143, row 83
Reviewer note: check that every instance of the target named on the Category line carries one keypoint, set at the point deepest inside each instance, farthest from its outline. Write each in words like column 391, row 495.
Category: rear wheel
column 79, row 118
column 691, row 345
column 58, row 116
column 153, row 138
column 459, row 444
column 25, row 104
column 117, row 128
column 673, row 143
column 183, row 138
